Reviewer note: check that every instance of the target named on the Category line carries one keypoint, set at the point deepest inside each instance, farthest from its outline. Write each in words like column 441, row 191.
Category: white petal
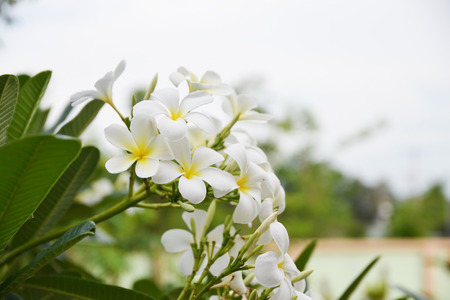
column 172, row 129
column 210, row 77
column 265, row 238
column 121, row 163
column 160, row 149
column 289, row 267
column 119, row 69
column 266, row 270
column 199, row 217
column 245, row 103
column 193, row 189
column 216, row 235
column 186, row 263
column 266, row 209
column 237, row 283
column 119, row 136
column 238, row 244
column 220, row 180
column 149, row 107
column 169, row 97
column 204, row 157
column 146, row 167
column 177, row 78
column 167, row 172
column 181, row 152
column 246, row 210
column 82, row 96
column 202, row 121
column 255, row 173
column 284, row 292
column 220, row 264
column 255, row 116
column 215, row 89
column 280, row 236
column 300, row 285
column 237, row 152
column 104, row 85
column 143, row 130
column 194, row 100
column 176, row 240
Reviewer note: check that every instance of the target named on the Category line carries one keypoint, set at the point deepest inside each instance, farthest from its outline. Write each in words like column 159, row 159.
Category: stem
column 118, row 112
column 157, row 205
column 116, row 209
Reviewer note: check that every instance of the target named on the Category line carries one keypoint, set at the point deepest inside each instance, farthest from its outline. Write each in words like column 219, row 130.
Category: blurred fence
column 418, row 265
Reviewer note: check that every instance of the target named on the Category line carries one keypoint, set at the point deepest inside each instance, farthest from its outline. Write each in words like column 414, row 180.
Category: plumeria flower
column 103, row 87
column 235, row 282
column 180, row 240
column 249, row 185
column 194, row 171
column 272, row 269
column 143, row 145
column 244, row 106
column 273, row 196
column 299, row 288
column 210, row 82
column 174, row 114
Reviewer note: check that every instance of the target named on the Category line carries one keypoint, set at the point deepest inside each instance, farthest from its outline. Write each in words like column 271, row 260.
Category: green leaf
column 60, row 197
column 28, row 169
column 346, row 295
column 13, row 296
column 9, row 89
column 148, row 287
column 410, row 294
column 30, row 96
column 78, row 124
column 38, row 122
column 304, row 257
column 82, row 289
column 62, row 117
column 67, row 240
column 23, row 78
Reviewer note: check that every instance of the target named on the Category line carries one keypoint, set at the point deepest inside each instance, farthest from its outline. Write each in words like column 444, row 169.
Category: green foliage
column 352, row 287
column 38, row 163
column 422, row 216
column 30, row 96
column 77, row 125
column 38, row 122
column 9, row 89
column 82, row 289
column 61, row 196
column 319, row 197
column 70, row 238
column 305, row 255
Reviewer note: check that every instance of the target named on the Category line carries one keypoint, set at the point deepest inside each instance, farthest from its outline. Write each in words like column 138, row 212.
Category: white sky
column 352, row 63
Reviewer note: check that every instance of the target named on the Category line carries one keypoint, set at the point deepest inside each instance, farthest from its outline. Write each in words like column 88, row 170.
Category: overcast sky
column 353, row 64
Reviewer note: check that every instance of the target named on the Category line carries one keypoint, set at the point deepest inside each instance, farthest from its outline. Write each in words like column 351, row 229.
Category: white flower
column 103, row 87
column 235, row 282
column 273, row 196
column 244, row 105
column 180, row 240
column 143, row 144
column 174, row 114
column 272, row 270
column 193, row 171
column 210, row 82
column 248, row 183
column 299, row 288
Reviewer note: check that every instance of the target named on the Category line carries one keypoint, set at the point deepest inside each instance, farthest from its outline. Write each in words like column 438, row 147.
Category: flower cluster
column 190, row 144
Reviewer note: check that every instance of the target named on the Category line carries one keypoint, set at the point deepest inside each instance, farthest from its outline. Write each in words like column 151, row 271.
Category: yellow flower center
column 175, row 115
column 242, row 183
